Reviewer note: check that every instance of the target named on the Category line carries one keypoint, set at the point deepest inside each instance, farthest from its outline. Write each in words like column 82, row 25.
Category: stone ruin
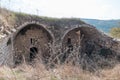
column 42, row 38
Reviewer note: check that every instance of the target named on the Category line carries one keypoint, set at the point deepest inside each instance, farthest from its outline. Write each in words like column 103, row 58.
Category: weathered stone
column 39, row 36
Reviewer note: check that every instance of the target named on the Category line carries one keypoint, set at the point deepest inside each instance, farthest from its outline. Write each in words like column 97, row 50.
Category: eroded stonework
column 33, row 39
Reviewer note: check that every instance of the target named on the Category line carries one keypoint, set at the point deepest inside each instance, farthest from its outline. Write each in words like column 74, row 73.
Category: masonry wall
column 6, row 53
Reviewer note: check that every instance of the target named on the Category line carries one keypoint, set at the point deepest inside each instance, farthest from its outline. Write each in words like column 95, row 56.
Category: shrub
column 115, row 32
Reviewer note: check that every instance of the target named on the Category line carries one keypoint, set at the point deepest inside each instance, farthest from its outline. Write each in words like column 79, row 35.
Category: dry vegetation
column 62, row 72
column 74, row 68
column 10, row 20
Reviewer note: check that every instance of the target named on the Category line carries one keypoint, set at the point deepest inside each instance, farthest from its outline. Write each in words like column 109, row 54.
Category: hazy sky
column 95, row 9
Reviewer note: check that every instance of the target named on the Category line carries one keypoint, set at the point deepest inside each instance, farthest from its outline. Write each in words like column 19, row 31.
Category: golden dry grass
column 62, row 72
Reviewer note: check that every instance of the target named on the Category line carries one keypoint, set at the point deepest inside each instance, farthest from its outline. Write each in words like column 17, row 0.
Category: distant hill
column 103, row 25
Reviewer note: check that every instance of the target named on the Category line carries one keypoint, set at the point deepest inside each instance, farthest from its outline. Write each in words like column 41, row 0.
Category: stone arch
column 82, row 37
column 32, row 35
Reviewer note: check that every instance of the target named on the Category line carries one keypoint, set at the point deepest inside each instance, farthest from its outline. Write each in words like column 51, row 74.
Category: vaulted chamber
column 32, row 41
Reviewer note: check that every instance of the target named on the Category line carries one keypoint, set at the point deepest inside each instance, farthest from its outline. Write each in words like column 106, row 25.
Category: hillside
column 103, row 25
column 10, row 20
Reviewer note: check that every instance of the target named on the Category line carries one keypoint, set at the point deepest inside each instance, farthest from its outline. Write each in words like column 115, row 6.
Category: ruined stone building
column 42, row 37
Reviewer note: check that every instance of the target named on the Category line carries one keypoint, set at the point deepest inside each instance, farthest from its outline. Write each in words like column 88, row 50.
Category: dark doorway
column 69, row 41
column 69, row 44
column 33, row 52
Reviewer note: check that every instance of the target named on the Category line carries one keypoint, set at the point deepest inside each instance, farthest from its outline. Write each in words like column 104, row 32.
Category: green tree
column 115, row 32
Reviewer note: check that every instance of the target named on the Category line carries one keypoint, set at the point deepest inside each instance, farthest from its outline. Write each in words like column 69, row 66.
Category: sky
column 94, row 9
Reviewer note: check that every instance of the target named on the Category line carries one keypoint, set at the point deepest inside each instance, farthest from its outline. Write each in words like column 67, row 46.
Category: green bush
column 115, row 32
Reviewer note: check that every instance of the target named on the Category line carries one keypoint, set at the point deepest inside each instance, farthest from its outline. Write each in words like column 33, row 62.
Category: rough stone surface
column 36, row 33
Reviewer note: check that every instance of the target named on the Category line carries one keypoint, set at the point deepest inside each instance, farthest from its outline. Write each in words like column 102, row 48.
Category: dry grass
column 62, row 72
column 77, row 66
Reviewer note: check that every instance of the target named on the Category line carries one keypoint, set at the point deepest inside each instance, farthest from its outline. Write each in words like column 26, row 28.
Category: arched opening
column 30, row 41
column 73, row 43
column 69, row 45
column 71, row 40
column 92, row 44
column 82, row 38
column 33, row 53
